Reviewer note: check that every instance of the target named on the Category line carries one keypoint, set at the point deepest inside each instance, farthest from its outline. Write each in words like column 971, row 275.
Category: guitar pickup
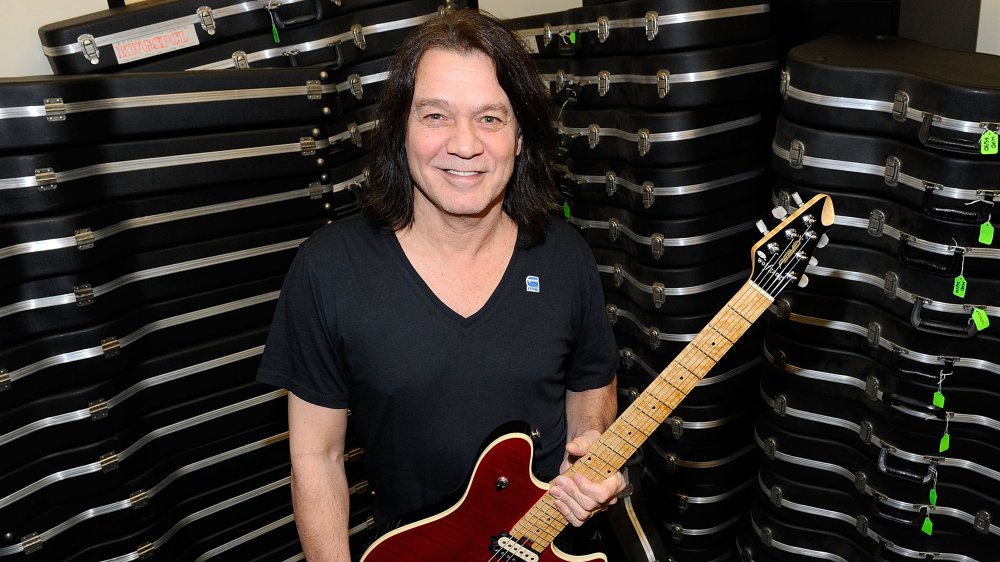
column 507, row 548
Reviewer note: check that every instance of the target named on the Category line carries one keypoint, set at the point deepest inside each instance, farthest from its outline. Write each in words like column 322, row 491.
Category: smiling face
column 461, row 137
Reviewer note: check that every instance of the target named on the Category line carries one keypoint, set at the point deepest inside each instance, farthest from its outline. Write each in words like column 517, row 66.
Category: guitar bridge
column 510, row 549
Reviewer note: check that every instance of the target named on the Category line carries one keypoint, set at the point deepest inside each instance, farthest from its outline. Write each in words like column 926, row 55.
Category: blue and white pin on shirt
column 531, row 282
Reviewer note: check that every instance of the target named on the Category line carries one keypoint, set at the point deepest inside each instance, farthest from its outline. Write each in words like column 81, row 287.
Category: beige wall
column 989, row 27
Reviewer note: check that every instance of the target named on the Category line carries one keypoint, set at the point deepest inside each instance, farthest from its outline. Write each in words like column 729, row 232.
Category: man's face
column 461, row 137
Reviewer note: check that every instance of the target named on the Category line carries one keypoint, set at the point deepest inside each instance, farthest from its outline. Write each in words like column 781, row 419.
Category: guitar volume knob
column 502, row 484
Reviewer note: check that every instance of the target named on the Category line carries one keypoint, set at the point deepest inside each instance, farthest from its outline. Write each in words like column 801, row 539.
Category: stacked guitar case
column 147, row 219
column 662, row 110
column 879, row 431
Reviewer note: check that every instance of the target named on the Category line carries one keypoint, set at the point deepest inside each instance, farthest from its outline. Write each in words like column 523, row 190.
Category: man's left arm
column 588, row 414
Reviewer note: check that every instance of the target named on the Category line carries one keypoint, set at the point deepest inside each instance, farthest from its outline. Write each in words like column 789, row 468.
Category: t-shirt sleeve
column 595, row 356
column 301, row 351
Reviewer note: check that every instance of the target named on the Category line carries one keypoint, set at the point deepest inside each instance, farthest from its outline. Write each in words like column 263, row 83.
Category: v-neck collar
column 432, row 299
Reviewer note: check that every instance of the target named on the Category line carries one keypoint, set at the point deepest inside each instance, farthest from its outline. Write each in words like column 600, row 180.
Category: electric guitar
column 506, row 513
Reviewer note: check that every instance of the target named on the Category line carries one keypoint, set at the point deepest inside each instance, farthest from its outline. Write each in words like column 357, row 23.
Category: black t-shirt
column 356, row 327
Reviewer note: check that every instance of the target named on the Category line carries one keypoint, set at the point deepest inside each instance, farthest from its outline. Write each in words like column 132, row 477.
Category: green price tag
column 933, row 497
column 988, row 143
column 274, row 32
column 986, row 233
column 572, row 37
column 961, row 285
column 945, row 443
column 981, row 319
column 566, row 212
column 939, row 399
column 927, row 527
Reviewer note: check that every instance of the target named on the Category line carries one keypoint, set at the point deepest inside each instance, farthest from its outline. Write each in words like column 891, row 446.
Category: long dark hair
column 531, row 193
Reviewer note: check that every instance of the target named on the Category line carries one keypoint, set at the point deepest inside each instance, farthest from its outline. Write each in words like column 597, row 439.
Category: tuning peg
column 823, row 241
column 762, row 227
column 803, row 281
column 779, row 213
column 797, row 198
column 813, row 261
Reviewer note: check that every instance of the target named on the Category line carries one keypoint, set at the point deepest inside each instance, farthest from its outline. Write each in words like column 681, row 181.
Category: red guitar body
column 502, row 490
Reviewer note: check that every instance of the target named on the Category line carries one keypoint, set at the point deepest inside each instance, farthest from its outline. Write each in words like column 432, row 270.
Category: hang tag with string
column 945, row 443
column 989, row 143
column 271, row 7
column 986, row 231
column 938, row 399
column 960, row 285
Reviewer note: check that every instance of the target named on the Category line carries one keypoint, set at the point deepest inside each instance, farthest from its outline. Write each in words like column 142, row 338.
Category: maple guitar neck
column 623, row 438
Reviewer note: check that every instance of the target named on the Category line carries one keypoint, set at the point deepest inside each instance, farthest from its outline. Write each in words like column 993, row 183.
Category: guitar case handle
column 951, row 269
column 878, row 510
column 978, row 216
column 963, row 146
column 298, row 21
column 883, row 466
column 937, row 327
column 897, row 400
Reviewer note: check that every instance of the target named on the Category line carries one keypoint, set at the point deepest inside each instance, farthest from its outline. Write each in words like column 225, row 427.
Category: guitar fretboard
column 650, row 409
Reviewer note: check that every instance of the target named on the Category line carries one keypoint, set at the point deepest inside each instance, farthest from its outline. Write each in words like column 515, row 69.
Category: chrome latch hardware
column 682, row 503
column 643, row 142
column 676, row 426
column 612, row 312
column 560, row 80
column 892, row 167
column 662, row 83
column 138, row 499
column 109, row 461
column 861, row 481
column 659, row 294
column 307, row 145
column 874, row 333
column 876, row 223
column 359, row 488
column 84, row 239
column 654, row 338
column 780, row 404
column 628, row 359
column 676, row 532
column 770, row 447
column 593, row 136
column 786, row 78
column 652, row 26
column 98, row 409
column 55, row 109
column 610, row 183
column 614, row 229
column 354, row 454
column 31, row 543
column 766, row 536
column 110, row 347
column 777, row 495
column 89, row 47
column 671, row 460
column 355, row 134
column 546, row 34
column 207, row 19
column 4, row 380
column 314, row 90
column 359, row 36
column 240, row 60
column 871, row 388
column 648, row 197
column 900, row 105
column 357, row 88
column 618, row 276
column 796, row 153
column 982, row 522
column 865, row 431
column 316, row 190
column 861, row 524
column 603, row 29
column 45, row 179
column 603, row 82
column 891, row 284
column 145, row 550
column 656, row 242
column 783, row 309
column 84, row 294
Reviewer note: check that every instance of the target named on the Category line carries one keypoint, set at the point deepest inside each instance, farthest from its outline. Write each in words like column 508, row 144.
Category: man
column 456, row 305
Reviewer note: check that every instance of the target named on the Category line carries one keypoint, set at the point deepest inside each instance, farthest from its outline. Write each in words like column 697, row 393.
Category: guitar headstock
column 781, row 256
